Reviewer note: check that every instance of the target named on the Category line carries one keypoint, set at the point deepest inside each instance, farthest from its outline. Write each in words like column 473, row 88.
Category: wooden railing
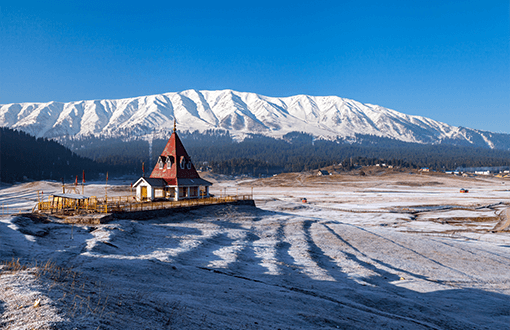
column 128, row 204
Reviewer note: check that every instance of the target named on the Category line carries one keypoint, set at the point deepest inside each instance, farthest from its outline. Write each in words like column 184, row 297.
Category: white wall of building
column 150, row 192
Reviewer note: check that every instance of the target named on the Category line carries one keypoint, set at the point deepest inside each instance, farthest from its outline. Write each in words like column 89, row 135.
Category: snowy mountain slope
column 329, row 117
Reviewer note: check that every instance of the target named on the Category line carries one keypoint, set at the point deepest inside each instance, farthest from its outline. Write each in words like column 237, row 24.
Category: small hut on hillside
column 174, row 177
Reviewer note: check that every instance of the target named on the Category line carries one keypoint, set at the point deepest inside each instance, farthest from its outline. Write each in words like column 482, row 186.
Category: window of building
column 170, row 161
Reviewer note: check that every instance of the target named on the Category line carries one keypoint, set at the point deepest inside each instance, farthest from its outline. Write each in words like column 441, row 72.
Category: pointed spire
column 174, row 162
column 175, row 126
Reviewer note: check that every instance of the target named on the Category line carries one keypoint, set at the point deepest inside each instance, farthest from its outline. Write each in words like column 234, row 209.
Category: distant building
column 491, row 169
column 322, row 172
column 424, row 169
column 174, row 177
column 482, row 172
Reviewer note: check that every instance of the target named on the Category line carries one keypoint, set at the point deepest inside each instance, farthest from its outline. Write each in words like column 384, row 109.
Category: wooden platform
column 139, row 211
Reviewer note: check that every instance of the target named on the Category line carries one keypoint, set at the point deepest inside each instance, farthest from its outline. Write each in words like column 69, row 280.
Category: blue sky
column 446, row 60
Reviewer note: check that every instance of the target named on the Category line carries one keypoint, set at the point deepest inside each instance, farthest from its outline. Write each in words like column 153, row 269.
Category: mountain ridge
column 239, row 113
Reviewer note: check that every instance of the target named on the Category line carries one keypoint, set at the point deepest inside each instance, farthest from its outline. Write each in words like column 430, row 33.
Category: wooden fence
column 128, row 204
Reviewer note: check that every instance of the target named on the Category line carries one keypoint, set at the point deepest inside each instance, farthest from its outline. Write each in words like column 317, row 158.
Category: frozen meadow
column 388, row 251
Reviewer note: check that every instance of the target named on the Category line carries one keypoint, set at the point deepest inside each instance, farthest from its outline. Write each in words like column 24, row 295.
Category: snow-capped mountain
column 328, row 117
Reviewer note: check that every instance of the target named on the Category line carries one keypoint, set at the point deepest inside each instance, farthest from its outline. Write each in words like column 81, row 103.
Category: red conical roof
column 180, row 166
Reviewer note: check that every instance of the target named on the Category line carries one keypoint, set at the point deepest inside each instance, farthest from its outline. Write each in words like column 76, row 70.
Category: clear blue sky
column 447, row 60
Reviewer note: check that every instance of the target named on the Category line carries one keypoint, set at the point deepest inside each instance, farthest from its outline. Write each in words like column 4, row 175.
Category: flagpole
column 106, row 193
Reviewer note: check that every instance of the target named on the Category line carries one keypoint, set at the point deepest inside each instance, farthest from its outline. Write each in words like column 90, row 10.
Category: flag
column 83, row 177
column 76, row 181
column 143, row 168
column 106, row 177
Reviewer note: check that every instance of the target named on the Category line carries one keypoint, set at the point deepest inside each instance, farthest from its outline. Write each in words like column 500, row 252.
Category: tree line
column 25, row 157
column 296, row 151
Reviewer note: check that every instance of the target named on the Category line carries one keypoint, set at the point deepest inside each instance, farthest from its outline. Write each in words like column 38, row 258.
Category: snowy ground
column 377, row 252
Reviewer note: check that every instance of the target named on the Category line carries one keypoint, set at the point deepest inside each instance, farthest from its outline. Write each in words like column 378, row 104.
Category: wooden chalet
column 174, row 177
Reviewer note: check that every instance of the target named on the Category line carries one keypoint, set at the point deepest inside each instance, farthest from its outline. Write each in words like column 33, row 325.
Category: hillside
column 239, row 113
column 24, row 157
column 261, row 155
column 397, row 251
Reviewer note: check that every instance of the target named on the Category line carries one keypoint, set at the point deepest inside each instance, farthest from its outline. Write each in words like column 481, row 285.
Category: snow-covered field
column 394, row 251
